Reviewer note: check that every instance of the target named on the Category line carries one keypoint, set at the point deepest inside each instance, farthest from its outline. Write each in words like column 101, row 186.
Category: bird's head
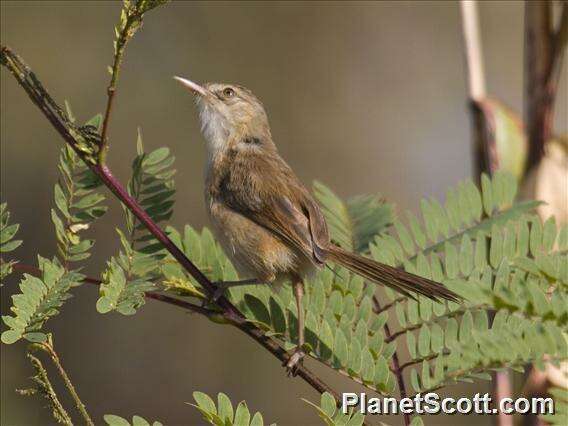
column 230, row 115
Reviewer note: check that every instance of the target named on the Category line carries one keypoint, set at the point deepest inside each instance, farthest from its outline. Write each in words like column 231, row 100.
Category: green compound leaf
column 7, row 243
column 39, row 300
column 114, row 420
column 78, row 205
column 223, row 414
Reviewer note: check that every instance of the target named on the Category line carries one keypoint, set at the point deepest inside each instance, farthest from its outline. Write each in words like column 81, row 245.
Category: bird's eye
column 228, row 92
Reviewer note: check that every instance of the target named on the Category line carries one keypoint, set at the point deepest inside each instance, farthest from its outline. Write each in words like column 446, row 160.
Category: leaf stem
column 46, row 388
column 395, row 368
column 451, row 314
column 390, row 305
column 48, row 348
column 127, row 29
column 418, row 361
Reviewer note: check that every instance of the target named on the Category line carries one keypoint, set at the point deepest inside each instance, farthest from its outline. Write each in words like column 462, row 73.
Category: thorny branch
column 87, row 146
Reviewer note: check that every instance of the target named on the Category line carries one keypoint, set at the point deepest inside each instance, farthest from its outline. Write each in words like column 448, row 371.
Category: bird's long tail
column 399, row 280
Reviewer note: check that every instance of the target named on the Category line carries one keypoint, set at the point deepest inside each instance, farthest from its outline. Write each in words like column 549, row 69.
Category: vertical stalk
column 48, row 348
column 473, row 50
column 395, row 363
column 484, row 156
column 538, row 60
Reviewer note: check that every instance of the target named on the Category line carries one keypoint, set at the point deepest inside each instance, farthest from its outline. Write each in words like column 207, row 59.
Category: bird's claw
column 295, row 361
column 219, row 291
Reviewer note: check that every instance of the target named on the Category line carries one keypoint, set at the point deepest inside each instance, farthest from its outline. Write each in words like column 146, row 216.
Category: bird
column 266, row 221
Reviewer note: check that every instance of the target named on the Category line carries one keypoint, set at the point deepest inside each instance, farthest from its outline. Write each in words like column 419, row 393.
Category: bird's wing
column 298, row 221
column 284, row 206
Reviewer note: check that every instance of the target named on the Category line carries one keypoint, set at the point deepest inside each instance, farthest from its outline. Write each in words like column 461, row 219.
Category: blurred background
column 366, row 97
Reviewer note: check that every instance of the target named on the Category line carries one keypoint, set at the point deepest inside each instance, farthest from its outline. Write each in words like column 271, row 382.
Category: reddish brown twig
column 32, row 270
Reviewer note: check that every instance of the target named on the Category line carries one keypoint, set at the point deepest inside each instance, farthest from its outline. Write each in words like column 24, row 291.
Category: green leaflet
column 40, row 299
column 223, row 413
column 114, row 420
column 7, row 242
column 331, row 416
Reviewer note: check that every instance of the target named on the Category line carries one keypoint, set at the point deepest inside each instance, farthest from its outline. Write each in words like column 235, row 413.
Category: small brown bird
column 266, row 221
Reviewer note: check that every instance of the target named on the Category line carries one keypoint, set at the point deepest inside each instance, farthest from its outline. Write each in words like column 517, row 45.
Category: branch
column 87, row 146
column 544, row 51
column 395, row 368
column 21, row 267
column 130, row 22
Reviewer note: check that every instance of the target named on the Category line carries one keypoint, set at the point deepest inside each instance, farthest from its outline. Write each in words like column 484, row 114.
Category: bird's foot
column 221, row 288
column 295, row 361
column 213, row 298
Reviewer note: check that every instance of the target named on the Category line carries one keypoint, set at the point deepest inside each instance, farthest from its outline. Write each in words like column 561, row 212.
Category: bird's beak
column 194, row 87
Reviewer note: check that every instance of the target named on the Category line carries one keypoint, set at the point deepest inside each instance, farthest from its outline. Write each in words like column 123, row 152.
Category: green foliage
column 341, row 328
column 7, row 242
column 77, row 202
column 354, row 224
column 206, row 254
column 502, row 260
column 328, row 412
column 223, row 414
column 40, row 299
column 114, row 420
column 44, row 388
column 152, row 185
column 120, row 292
column 78, row 206
column 130, row 274
column 467, row 211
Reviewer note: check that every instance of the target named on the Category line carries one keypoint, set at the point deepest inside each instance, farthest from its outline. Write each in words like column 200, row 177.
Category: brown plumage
column 266, row 220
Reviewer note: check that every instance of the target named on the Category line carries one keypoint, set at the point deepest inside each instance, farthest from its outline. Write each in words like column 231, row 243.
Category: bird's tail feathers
column 397, row 279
